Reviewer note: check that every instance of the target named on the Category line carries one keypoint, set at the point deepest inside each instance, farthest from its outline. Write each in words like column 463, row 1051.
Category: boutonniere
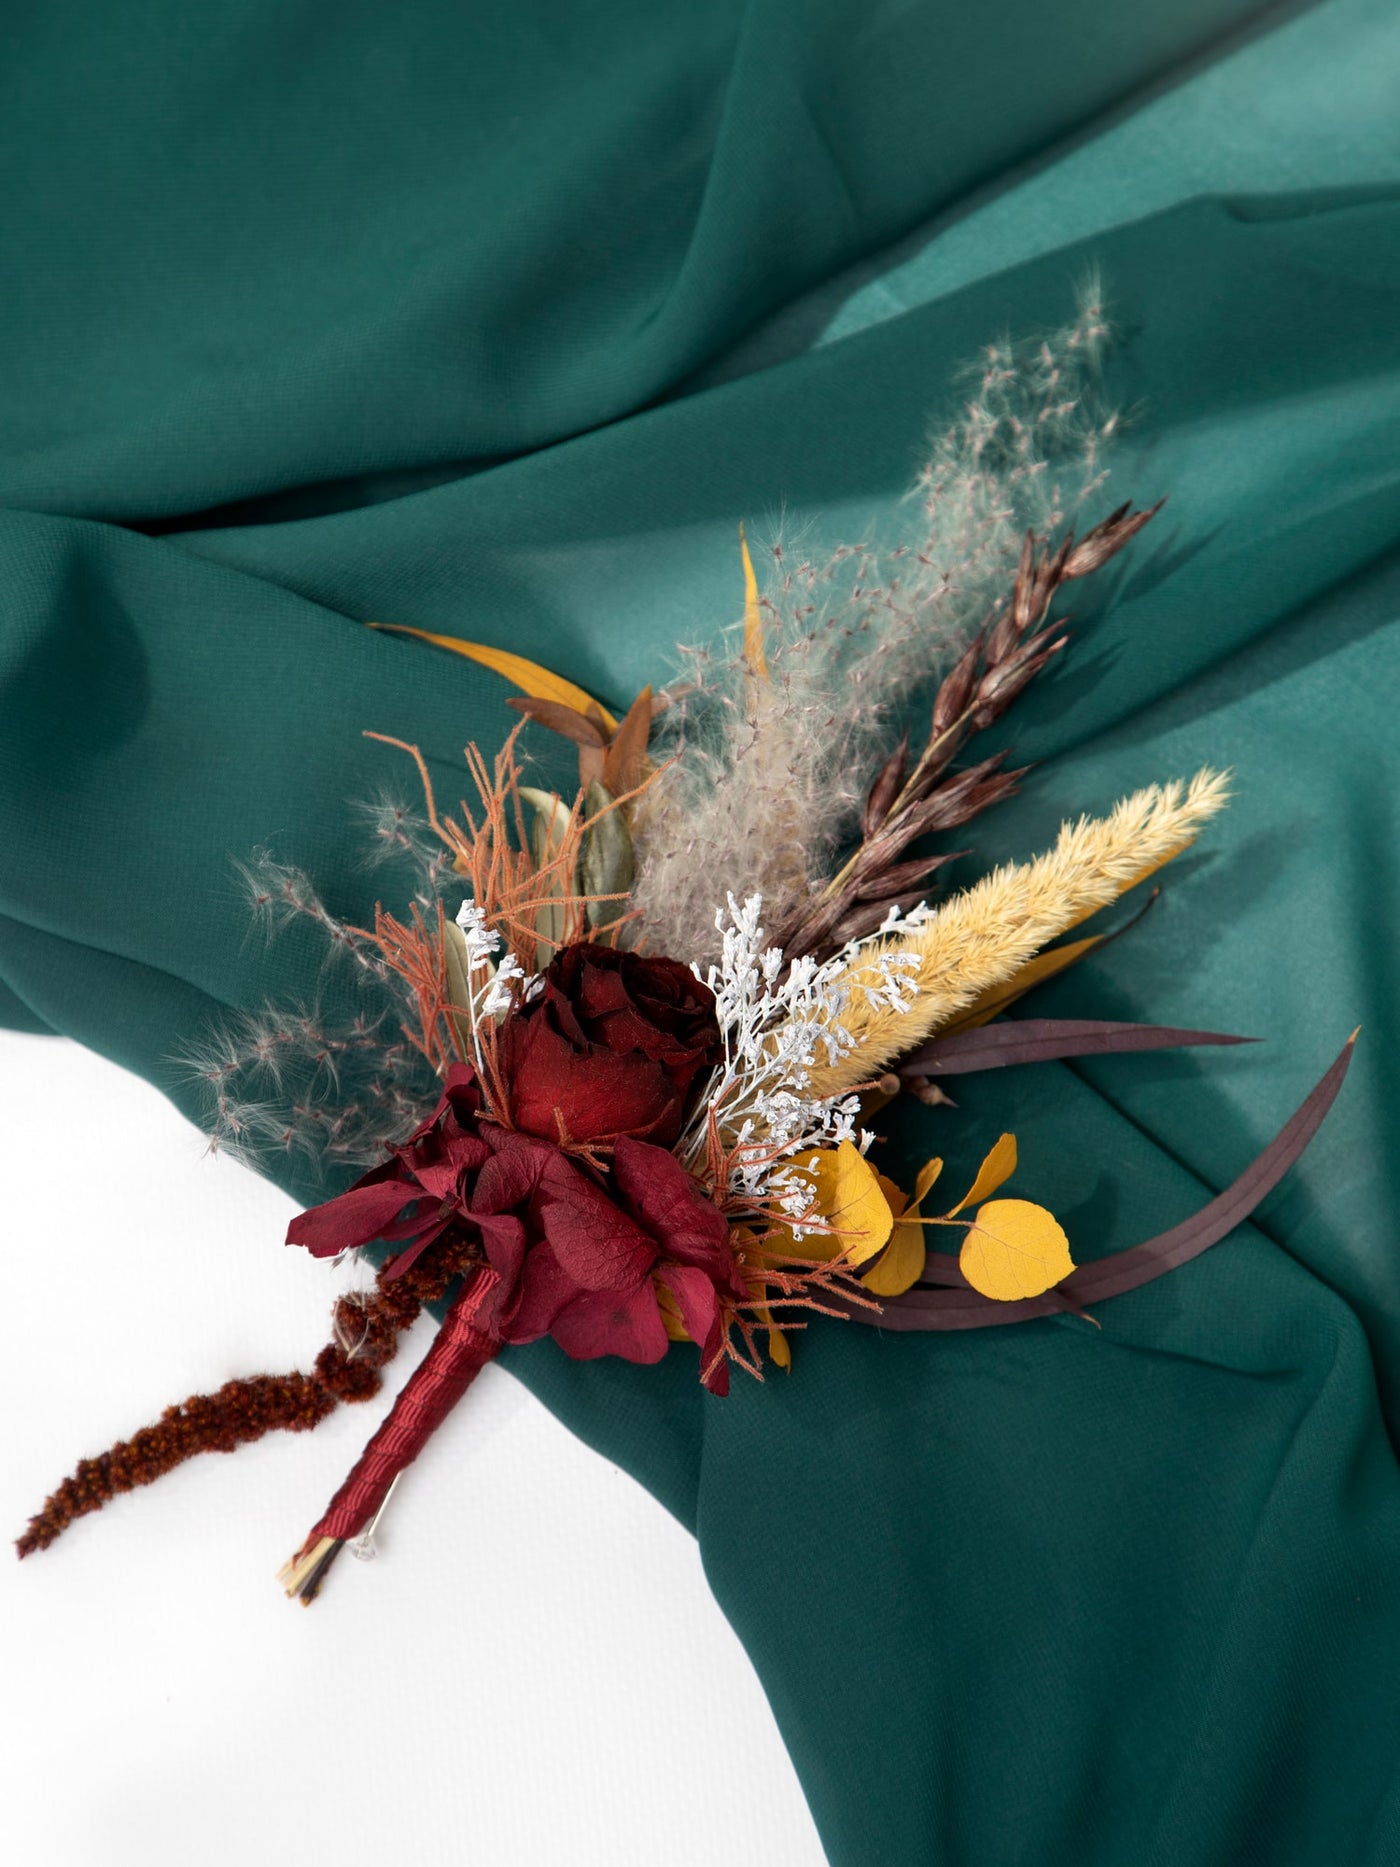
column 621, row 1045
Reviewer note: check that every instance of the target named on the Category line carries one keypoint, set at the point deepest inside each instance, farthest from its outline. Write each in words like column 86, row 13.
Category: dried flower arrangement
column 596, row 1103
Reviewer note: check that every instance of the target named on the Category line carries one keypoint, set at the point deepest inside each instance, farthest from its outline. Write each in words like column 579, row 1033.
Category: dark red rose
column 612, row 1045
column 579, row 1254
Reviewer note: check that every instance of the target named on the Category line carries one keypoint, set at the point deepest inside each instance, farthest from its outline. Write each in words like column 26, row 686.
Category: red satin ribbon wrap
column 459, row 1352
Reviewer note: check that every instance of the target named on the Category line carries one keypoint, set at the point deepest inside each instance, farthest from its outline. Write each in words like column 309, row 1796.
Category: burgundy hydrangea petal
column 698, row 1301
column 356, row 1217
column 593, row 1238
column 662, row 1195
column 545, row 1289
column 608, row 1323
column 423, row 1213
column 407, row 1259
column 506, row 1242
column 460, row 1096
column 695, row 1297
column 509, row 1178
column 439, row 1178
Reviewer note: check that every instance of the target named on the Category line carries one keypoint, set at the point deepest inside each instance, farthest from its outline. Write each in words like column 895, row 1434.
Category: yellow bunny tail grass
column 981, row 936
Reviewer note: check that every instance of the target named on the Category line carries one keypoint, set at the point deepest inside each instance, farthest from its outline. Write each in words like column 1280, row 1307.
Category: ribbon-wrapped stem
column 460, row 1350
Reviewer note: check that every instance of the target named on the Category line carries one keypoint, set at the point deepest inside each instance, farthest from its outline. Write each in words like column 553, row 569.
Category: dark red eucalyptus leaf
column 1108, row 1277
column 1042, row 1040
column 964, row 1308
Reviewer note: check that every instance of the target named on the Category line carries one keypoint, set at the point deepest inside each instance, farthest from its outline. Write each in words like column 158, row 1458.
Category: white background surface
column 532, row 1670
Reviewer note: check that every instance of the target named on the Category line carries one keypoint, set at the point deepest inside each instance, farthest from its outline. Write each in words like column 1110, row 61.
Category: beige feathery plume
column 980, row 937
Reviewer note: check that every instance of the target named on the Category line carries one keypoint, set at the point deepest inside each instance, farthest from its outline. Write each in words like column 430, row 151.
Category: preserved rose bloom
column 614, row 1044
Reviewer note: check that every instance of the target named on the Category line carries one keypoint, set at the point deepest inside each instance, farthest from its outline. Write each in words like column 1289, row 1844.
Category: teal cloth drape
column 497, row 324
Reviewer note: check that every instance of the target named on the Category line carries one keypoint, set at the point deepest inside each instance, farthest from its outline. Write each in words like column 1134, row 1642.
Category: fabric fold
column 1052, row 1594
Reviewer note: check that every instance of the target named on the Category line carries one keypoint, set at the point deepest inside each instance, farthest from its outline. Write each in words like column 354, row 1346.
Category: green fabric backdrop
column 498, row 324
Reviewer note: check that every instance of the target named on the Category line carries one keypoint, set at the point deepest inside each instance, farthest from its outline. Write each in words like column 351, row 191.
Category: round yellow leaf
column 846, row 1194
column 1014, row 1249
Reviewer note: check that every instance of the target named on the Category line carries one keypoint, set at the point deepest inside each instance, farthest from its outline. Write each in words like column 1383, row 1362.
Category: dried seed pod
column 956, row 690
column 902, row 876
column 548, row 834
column 457, row 966
column 1095, row 548
column 889, row 782
column 1003, row 685
column 1021, row 594
column 866, row 917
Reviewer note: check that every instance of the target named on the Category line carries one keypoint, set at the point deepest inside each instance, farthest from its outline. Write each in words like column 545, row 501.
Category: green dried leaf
column 547, row 837
column 454, row 952
column 605, row 863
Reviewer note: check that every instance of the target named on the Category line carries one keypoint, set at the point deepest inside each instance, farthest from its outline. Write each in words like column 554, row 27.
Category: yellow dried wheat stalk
column 981, row 936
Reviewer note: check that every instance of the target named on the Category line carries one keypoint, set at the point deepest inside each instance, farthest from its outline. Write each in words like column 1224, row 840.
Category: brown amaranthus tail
column 366, row 1327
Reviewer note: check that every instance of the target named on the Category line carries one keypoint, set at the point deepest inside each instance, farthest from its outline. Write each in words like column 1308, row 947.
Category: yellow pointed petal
column 901, row 1263
column 753, row 616
column 928, row 1173
column 779, row 1349
column 1035, row 971
column 1143, row 874
column 528, row 676
column 846, row 1193
column 1014, row 1249
column 670, row 1311
column 999, row 1165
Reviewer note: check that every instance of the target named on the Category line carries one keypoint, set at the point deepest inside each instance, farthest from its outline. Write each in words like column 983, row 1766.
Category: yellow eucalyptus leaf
column 528, row 676
column 999, row 1165
column 846, row 1193
column 1014, row 1249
